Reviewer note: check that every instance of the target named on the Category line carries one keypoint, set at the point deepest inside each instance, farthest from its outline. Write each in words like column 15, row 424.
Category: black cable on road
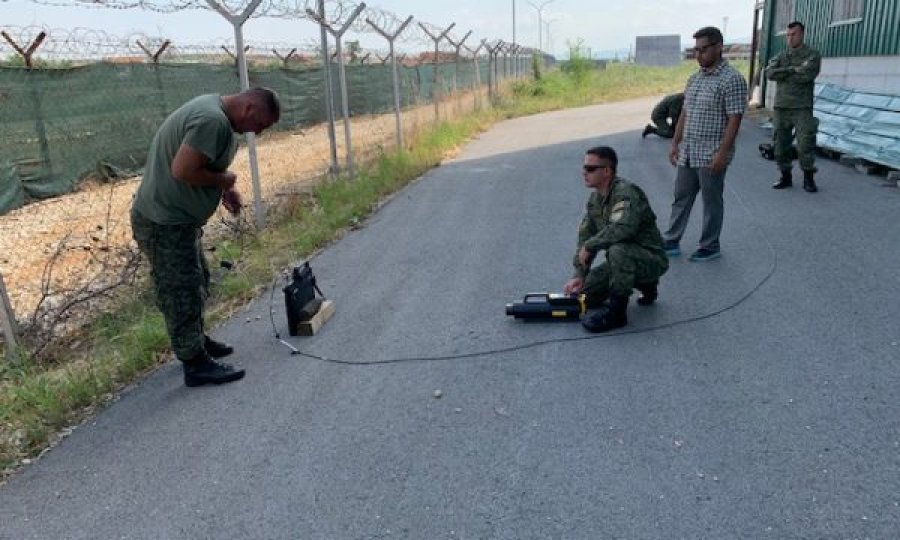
column 533, row 344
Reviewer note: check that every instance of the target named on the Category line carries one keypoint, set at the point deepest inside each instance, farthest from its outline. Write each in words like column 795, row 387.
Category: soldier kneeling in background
column 665, row 116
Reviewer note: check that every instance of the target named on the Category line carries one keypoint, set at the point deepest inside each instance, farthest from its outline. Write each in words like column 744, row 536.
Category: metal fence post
column 334, row 168
column 457, row 45
column 476, row 83
column 154, row 58
column 40, row 126
column 237, row 21
column 7, row 319
column 342, row 74
column 492, row 71
column 436, row 91
column 395, row 76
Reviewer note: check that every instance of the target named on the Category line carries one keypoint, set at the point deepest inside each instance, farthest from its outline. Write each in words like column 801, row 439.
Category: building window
column 784, row 15
column 844, row 11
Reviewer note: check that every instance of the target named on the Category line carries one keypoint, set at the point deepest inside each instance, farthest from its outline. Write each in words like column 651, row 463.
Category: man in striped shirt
column 715, row 99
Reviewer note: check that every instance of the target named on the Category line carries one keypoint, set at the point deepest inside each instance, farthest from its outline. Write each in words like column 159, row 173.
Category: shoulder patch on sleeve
column 618, row 211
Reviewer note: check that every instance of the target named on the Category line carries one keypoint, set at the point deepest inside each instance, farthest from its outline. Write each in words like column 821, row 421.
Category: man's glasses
column 592, row 168
column 704, row 48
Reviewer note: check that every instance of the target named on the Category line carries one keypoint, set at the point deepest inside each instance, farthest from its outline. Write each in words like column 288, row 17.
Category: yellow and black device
column 548, row 306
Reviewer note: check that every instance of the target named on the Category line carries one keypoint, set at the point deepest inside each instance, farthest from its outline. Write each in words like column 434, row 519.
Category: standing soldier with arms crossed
column 795, row 70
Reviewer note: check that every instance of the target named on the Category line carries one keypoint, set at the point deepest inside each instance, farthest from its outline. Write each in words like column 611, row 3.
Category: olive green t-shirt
column 200, row 123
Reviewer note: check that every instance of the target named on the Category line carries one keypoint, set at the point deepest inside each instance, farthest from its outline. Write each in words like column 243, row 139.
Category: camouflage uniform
column 167, row 217
column 180, row 277
column 623, row 224
column 668, row 108
column 795, row 71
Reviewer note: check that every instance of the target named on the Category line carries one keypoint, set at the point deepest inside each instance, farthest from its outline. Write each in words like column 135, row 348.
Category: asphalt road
column 756, row 399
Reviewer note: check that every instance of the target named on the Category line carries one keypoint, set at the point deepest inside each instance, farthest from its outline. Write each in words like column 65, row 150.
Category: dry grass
column 90, row 221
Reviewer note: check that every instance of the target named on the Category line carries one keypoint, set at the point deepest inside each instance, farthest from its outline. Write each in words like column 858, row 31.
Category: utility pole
column 540, row 10
column 549, row 41
column 514, row 21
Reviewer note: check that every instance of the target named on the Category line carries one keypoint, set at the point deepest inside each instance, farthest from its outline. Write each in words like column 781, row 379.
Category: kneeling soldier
column 620, row 221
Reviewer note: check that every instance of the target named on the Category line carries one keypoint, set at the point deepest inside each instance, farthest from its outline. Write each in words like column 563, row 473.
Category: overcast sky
column 604, row 25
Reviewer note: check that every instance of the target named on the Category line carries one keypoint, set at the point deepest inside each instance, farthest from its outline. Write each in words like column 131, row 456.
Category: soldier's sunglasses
column 592, row 168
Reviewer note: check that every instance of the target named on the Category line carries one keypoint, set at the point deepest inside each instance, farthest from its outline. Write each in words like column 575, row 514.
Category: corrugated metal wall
column 877, row 34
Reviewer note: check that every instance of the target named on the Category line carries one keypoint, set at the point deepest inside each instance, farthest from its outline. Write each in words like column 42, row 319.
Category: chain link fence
column 80, row 108
column 66, row 120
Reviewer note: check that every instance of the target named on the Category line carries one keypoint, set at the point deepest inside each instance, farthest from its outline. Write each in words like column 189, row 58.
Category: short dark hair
column 269, row 99
column 711, row 33
column 797, row 24
column 605, row 152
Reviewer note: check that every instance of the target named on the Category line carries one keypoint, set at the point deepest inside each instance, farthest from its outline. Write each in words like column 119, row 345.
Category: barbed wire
column 267, row 8
column 336, row 12
column 82, row 46
column 79, row 45
column 165, row 6
column 90, row 44
column 75, row 43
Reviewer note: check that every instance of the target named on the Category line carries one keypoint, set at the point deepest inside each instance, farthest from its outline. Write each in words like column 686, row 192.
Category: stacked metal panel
column 859, row 124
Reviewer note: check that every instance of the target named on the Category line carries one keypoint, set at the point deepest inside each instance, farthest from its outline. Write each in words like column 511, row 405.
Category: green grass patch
column 580, row 87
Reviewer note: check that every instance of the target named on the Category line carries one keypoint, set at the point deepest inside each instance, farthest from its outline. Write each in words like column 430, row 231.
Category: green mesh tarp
column 859, row 124
column 61, row 125
column 12, row 195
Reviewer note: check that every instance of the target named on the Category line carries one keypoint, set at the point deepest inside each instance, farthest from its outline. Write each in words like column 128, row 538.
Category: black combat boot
column 649, row 293
column 608, row 318
column 785, row 181
column 809, row 184
column 201, row 369
column 216, row 349
column 595, row 301
column 648, row 129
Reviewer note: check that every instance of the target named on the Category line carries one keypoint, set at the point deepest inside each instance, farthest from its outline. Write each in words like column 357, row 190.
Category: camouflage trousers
column 663, row 127
column 626, row 267
column 806, row 126
column 180, row 279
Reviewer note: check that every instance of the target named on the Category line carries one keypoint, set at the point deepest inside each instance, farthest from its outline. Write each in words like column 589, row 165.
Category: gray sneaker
column 671, row 248
column 705, row 254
